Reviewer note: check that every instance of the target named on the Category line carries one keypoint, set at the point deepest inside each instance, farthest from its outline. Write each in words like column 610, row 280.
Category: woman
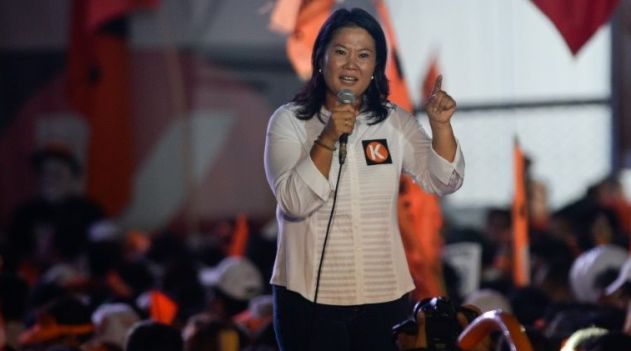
column 360, row 281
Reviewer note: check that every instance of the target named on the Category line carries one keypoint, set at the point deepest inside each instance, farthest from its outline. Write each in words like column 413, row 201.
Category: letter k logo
column 376, row 151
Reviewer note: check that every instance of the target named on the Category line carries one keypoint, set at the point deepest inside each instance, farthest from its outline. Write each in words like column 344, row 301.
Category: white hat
column 623, row 277
column 237, row 277
column 112, row 322
column 589, row 265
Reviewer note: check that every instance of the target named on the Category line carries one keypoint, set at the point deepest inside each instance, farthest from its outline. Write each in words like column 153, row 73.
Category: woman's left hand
column 440, row 106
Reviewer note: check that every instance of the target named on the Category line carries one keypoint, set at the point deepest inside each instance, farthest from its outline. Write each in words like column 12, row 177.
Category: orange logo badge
column 376, row 152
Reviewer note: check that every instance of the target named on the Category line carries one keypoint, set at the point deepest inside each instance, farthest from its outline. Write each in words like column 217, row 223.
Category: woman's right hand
column 342, row 121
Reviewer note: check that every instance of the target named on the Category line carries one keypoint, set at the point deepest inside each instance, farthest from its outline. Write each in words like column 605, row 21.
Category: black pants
column 302, row 326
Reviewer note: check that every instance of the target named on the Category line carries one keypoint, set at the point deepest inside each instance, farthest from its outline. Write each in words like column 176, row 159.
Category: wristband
column 320, row 143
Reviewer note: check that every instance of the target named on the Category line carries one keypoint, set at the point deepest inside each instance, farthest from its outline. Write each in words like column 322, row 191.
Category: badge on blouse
column 376, row 152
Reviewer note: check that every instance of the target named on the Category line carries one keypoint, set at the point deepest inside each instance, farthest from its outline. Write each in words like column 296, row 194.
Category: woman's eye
column 364, row 55
column 339, row 52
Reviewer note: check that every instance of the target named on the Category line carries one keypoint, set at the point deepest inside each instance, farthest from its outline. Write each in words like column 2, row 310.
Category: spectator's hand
column 407, row 341
column 440, row 106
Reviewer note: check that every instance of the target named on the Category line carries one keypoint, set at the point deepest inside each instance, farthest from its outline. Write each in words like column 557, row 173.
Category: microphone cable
column 326, row 238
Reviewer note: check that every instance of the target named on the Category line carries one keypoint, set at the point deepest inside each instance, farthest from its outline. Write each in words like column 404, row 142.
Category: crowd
column 70, row 279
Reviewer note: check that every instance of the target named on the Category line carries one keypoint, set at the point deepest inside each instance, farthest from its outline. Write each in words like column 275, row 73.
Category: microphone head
column 346, row 96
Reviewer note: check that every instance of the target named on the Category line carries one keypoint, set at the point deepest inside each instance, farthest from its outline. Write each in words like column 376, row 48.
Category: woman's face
column 349, row 63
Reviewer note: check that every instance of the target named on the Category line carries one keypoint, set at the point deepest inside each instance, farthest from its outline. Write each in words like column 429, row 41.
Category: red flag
column 398, row 90
column 312, row 14
column 577, row 20
column 98, row 85
column 521, row 259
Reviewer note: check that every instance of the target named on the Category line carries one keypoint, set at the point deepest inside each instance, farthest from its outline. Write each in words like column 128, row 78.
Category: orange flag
column 312, row 14
column 420, row 221
column 420, row 216
column 521, row 258
column 161, row 308
column 98, row 84
column 284, row 16
column 398, row 90
column 239, row 237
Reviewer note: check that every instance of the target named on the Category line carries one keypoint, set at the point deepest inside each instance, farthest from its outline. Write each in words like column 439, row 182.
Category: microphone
column 344, row 96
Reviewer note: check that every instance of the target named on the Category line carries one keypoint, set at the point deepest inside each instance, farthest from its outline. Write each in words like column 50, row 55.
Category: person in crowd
column 112, row 322
column 155, row 336
column 340, row 275
column 64, row 321
column 614, row 340
column 14, row 293
column 53, row 226
column 435, row 324
column 207, row 332
column 231, row 285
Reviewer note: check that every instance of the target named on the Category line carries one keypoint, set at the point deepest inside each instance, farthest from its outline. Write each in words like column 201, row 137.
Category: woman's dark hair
column 312, row 96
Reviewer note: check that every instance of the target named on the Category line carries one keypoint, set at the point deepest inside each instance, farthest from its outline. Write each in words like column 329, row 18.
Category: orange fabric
column 495, row 320
column 109, row 161
column 420, row 221
column 521, row 260
column 228, row 340
column 99, row 87
column 40, row 333
column 284, row 16
column 398, row 90
column 252, row 324
column 312, row 14
column 420, row 218
column 162, row 308
column 239, row 237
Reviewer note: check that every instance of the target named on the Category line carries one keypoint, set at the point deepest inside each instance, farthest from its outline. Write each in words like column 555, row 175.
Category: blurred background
column 178, row 134
column 131, row 155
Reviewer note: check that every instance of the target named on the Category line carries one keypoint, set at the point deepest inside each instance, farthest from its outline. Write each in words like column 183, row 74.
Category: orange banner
column 398, row 90
column 521, row 257
column 311, row 16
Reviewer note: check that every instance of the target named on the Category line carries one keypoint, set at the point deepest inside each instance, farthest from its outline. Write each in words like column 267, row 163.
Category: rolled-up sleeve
column 297, row 184
column 435, row 174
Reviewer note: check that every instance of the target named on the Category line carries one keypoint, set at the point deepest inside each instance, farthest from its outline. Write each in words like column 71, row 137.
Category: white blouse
column 364, row 260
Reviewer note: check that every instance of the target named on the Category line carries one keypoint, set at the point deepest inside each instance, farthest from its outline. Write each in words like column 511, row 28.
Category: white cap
column 623, row 277
column 589, row 265
column 237, row 277
column 112, row 322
